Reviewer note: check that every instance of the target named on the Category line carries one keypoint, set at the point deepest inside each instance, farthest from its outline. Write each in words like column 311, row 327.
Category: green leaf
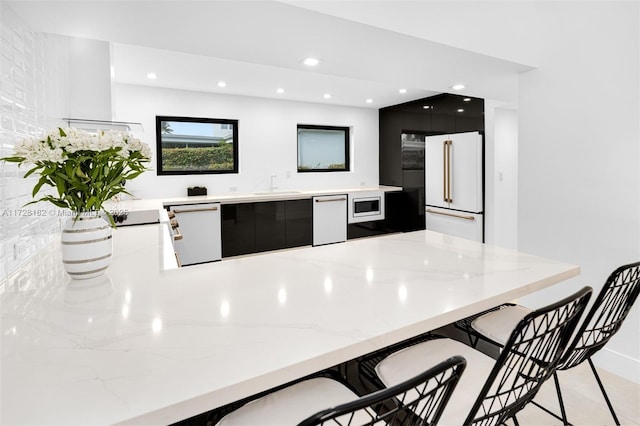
column 36, row 188
column 13, row 159
column 32, row 171
column 60, row 184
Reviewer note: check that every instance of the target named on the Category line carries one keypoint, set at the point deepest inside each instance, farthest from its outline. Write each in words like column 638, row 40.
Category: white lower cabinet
column 459, row 224
column 329, row 219
column 199, row 226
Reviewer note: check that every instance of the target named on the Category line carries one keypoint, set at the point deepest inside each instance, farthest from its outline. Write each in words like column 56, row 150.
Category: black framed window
column 323, row 148
column 190, row 145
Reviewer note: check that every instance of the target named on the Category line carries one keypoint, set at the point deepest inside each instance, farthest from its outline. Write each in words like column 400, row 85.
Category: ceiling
column 257, row 47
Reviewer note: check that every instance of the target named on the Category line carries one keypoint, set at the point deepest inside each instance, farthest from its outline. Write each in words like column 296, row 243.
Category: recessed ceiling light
column 426, row 107
column 280, row 90
column 311, row 62
column 460, row 110
column 222, row 84
column 152, row 75
column 466, row 99
column 458, row 86
column 402, row 91
column 327, row 96
column 369, row 101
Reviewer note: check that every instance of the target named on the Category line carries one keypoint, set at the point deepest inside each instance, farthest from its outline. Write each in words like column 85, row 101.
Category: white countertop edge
column 239, row 197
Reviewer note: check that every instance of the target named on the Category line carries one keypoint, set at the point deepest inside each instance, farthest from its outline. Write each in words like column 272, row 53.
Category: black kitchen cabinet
column 270, row 224
column 435, row 115
column 443, row 120
column 238, row 229
column 366, row 229
column 415, row 119
column 390, row 150
column 413, row 185
column 299, row 223
column 263, row 226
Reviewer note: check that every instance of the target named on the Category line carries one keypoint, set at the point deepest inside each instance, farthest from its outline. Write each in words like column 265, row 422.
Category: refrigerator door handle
column 445, row 173
column 449, row 143
column 465, row 217
column 446, row 178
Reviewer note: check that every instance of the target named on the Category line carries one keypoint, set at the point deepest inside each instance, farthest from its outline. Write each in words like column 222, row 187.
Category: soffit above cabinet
column 357, row 61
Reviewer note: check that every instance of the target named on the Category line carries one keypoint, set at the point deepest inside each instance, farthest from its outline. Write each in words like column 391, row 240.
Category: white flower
column 55, row 148
column 52, row 153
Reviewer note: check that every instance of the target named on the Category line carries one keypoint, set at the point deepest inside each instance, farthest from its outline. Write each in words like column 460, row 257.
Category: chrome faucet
column 273, row 183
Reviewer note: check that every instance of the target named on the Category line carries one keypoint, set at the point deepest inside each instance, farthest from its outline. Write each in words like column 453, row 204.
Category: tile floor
column 583, row 401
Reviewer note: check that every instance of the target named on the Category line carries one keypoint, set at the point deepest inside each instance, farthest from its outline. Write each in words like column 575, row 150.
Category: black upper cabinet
column 443, row 121
column 457, row 114
column 439, row 114
column 415, row 119
column 436, row 115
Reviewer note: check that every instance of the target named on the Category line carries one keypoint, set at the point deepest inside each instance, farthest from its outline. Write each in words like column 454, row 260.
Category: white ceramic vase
column 86, row 245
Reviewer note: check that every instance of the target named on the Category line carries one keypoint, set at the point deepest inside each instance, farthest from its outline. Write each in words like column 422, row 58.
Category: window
column 187, row 145
column 323, row 148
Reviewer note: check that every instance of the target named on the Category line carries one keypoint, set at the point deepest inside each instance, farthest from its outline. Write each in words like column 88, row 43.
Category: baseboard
column 618, row 364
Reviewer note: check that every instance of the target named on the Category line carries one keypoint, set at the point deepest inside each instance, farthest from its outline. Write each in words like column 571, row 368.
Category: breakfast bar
column 148, row 343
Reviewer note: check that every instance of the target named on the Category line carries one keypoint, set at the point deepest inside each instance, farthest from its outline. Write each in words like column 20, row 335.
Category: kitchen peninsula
column 149, row 345
column 207, row 228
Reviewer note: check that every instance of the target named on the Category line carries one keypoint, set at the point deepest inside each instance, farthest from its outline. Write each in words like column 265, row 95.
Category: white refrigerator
column 454, row 185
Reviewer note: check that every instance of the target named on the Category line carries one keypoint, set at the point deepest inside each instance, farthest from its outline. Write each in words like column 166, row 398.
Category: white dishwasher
column 329, row 219
column 199, row 226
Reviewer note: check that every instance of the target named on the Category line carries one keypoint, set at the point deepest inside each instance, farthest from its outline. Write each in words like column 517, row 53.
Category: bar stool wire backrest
column 604, row 319
column 418, row 401
column 527, row 360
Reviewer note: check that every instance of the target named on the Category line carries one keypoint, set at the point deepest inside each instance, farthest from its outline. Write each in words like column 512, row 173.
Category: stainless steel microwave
column 366, row 207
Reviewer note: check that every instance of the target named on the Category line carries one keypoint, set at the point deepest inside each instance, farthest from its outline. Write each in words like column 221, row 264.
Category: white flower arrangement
column 61, row 142
column 87, row 169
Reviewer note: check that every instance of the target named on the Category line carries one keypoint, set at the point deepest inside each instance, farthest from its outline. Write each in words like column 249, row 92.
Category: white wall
column 501, row 174
column 267, row 140
column 90, row 72
column 579, row 186
column 505, row 178
column 34, row 96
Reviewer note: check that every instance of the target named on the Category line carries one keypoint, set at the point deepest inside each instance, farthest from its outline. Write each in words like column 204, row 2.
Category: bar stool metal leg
column 560, row 399
column 604, row 393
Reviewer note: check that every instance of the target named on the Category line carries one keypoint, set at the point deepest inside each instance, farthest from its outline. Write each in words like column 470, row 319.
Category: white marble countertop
column 241, row 197
column 145, row 345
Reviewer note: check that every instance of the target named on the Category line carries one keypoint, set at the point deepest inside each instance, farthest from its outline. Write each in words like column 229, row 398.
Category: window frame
column 347, row 147
column 164, row 118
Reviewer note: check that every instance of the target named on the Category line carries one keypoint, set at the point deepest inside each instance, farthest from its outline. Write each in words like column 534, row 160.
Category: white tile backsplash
column 34, row 91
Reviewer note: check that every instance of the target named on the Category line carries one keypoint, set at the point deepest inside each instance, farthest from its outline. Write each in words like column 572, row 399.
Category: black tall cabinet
column 400, row 162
